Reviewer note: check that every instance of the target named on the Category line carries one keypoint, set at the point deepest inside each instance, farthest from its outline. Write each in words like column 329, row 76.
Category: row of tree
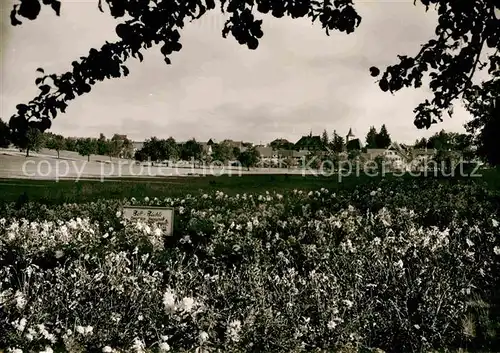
column 34, row 140
column 380, row 139
column 155, row 149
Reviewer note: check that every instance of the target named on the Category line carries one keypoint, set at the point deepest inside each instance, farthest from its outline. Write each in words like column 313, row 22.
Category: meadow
column 255, row 264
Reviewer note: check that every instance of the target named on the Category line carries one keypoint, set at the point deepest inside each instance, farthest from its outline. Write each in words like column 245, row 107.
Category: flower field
column 402, row 266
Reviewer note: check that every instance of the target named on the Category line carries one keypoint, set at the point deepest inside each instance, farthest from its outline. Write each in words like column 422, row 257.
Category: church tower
column 349, row 135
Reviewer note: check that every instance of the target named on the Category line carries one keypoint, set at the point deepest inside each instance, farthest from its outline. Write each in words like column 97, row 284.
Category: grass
column 52, row 192
column 49, row 191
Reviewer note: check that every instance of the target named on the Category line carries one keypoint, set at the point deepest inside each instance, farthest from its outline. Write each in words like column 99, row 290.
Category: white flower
column 203, row 336
column 59, row 254
column 348, row 303
column 19, row 324
column 47, row 350
column 169, row 301
column 15, row 350
column 107, row 349
column 469, row 242
column 118, row 215
column 80, row 330
column 399, row 263
column 373, row 193
column 496, row 250
column 140, row 318
column 331, row 325
column 88, row 330
column 187, row 304
column 234, row 330
column 146, row 199
column 164, row 347
column 20, row 300
column 494, row 222
column 138, row 345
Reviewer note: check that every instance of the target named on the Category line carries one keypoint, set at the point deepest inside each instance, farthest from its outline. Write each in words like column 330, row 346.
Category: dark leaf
column 22, row 108
column 374, row 71
column 38, row 80
column 45, row 89
column 13, row 19
column 40, row 70
column 252, row 43
column 56, row 6
column 210, row 4
column 53, row 111
column 30, row 9
column 384, row 85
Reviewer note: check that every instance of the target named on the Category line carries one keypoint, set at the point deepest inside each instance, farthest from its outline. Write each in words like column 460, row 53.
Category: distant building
column 206, row 147
column 136, row 145
column 240, row 145
column 348, row 141
column 309, row 143
column 267, row 153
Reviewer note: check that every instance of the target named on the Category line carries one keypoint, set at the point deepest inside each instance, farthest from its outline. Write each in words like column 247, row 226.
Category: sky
column 298, row 80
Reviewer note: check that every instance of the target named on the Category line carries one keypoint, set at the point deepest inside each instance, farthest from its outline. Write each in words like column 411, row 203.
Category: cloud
column 297, row 80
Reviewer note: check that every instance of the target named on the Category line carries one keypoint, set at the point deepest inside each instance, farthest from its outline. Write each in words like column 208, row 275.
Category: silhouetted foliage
column 371, row 138
column 55, row 142
column 325, row 140
column 32, row 140
column 156, row 150
column 222, row 152
column 249, row 158
column 140, row 155
column 486, row 127
column 382, row 139
column 71, row 144
column 450, row 59
column 337, row 142
column 191, row 150
column 422, row 143
column 4, row 134
column 87, row 147
column 103, row 145
column 150, row 150
column 170, row 149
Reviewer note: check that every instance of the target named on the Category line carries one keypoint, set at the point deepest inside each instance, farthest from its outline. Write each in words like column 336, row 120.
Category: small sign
column 163, row 217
